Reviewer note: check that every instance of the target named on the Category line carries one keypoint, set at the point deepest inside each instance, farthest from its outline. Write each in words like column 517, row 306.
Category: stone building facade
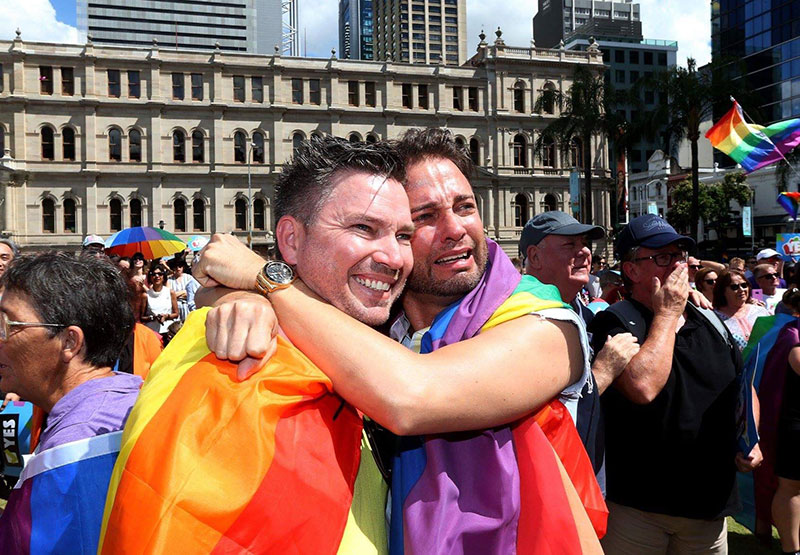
column 96, row 139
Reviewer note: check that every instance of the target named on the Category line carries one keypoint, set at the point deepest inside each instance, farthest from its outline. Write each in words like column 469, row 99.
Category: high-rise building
column 556, row 20
column 355, row 29
column 422, row 31
column 235, row 25
column 765, row 36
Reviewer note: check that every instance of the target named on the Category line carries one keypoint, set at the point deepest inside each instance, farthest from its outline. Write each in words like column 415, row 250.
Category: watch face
column 279, row 272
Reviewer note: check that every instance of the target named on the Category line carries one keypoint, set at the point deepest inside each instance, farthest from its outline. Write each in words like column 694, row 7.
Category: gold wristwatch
column 274, row 276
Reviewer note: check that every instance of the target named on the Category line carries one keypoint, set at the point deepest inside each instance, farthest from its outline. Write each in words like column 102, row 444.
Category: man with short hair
column 8, row 251
column 63, row 322
column 773, row 258
column 693, row 264
column 93, row 245
column 676, row 400
column 767, row 290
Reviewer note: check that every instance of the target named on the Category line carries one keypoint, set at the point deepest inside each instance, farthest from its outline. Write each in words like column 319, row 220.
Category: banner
column 575, row 192
column 747, row 222
column 788, row 245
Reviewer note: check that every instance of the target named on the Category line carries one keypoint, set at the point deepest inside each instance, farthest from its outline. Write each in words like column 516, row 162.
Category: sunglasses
column 768, row 276
column 709, row 281
column 154, row 274
column 695, row 266
column 737, row 286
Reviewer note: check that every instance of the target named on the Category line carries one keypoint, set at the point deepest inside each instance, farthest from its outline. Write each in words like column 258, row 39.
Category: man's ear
column 289, row 235
column 73, row 343
column 533, row 257
column 631, row 270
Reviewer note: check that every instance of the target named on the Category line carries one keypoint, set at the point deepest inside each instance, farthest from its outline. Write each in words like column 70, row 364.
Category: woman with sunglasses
column 704, row 281
column 731, row 302
column 162, row 304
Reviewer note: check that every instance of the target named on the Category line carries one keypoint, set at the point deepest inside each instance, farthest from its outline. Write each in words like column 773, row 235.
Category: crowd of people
column 608, row 420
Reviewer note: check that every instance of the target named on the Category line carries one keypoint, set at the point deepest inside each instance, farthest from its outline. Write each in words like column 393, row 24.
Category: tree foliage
column 714, row 205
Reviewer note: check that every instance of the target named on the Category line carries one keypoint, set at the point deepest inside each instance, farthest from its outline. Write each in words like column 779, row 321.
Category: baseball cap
column 651, row 231
column 554, row 223
column 766, row 253
column 93, row 240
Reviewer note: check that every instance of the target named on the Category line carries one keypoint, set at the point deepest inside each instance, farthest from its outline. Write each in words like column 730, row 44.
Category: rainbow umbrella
column 150, row 241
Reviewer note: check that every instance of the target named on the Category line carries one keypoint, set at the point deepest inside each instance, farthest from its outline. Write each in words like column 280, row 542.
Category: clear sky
column 687, row 21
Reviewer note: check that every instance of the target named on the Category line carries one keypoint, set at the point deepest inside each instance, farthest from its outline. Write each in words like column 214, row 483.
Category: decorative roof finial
column 19, row 33
column 333, row 53
column 482, row 36
column 498, row 33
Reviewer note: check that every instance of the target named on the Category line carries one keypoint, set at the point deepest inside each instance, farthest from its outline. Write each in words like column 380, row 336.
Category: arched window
column 259, row 214
column 114, row 145
column 199, row 215
column 178, row 146
column 549, row 101
column 48, row 216
column 179, row 214
column 68, row 143
column 549, row 203
column 297, row 140
column 115, row 214
column 315, row 136
column 520, row 210
column 519, row 96
column 135, row 209
column 2, row 141
column 475, row 151
column 459, row 142
column 48, row 148
column 520, row 146
column 258, row 147
column 354, row 138
column 548, row 152
column 69, row 215
column 240, row 209
column 198, row 147
column 134, row 145
column 576, row 153
column 372, row 139
column 239, row 147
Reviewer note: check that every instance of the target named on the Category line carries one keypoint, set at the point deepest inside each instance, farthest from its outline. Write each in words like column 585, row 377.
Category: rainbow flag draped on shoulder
column 502, row 490
column 753, row 146
column 57, row 505
column 212, row 465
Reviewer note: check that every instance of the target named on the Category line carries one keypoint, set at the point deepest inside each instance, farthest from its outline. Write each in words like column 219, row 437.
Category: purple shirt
column 94, row 408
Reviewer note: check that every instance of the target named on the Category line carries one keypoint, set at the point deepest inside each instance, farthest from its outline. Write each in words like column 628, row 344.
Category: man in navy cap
column 671, row 438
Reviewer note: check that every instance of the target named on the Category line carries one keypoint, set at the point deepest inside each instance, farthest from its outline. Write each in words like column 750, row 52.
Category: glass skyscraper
column 355, row 29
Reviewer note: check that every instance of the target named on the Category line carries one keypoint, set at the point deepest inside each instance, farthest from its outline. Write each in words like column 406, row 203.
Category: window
column 473, row 98
column 48, row 216
column 45, row 80
column 576, row 153
column 240, row 214
column 2, row 141
column 238, row 88
column 406, row 95
column 297, row 91
column 634, row 76
column 67, row 81
column 114, row 145
column 549, row 101
column 134, row 145
column 68, row 143
column 198, row 147
column 662, row 58
column 257, row 84
column 178, row 146
column 239, row 147
column 314, row 92
column 459, row 143
column 648, row 58
column 519, row 97
column 135, row 209
column 354, row 138
column 69, row 215
column 458, row 103
column 113, row 83
column 619, row 76
column 177, row 86
column 1, row 77
column 259, row 214
column 371, row 139
column 352, row 93
column 198, row 215
column 297, row 141
column 649, row 97
column 258, row 147
column 115, row 214
column 475, row 151
column 422, row 96
column 549, row 203
column 134, row 84
column 619, row 56
column 48, row 148
column 633, row 57
column 369, row 94
column 197, row 86
column 519, row 147
column 548, row 153
column 520, row 210
column 179, row 214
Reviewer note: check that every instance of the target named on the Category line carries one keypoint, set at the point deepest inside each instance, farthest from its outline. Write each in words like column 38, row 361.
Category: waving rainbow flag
column 790, row 201
column 753, row 146
column 500, row 490
column 212, row 465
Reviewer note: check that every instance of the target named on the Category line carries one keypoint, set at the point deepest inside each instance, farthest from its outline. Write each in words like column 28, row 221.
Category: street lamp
column 161, row 224
column 250, row 198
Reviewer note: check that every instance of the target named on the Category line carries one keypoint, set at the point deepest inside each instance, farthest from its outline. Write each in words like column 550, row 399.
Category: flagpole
column 791, row 167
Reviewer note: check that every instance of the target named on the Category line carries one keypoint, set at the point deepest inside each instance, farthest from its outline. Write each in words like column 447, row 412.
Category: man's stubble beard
column 424, row 283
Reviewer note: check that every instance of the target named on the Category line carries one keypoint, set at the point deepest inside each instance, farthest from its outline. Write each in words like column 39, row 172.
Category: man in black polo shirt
column 671, row 442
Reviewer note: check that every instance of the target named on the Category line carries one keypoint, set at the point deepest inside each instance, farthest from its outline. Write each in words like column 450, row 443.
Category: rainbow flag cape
column 57, row 505
column 790, row 202
column 212, row 465
column 753, row 146
column 498, row 490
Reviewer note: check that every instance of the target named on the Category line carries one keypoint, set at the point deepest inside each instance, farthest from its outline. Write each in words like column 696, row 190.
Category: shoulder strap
column 716, row 323
column 630, row 318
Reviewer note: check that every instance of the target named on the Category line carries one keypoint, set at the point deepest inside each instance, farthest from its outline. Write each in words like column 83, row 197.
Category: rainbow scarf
column 57, row 505
column 212, row 465
column 498, row 490
column 753, row 146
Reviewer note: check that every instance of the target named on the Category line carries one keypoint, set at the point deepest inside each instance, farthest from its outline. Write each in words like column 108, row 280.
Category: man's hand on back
column 613, row 358
column 227, row 261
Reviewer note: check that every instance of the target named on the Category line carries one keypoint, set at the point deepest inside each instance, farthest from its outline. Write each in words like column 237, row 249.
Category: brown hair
column 701, row 275
column 723, row 281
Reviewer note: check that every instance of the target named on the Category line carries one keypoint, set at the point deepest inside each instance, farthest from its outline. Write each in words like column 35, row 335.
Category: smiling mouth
column 449, row 259
column 374, row 284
